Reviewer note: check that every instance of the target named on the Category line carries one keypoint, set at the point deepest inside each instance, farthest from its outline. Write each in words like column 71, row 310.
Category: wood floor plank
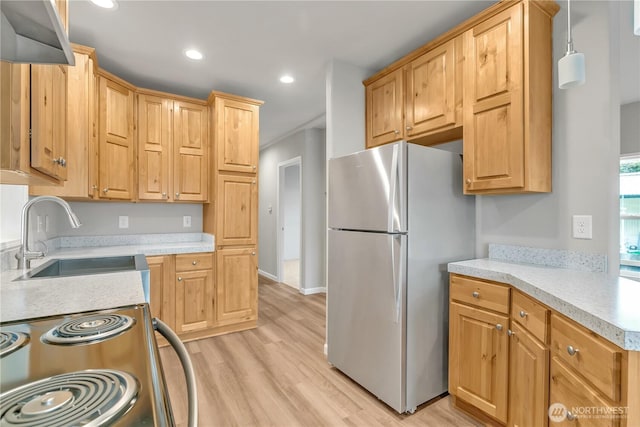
column 277, row 375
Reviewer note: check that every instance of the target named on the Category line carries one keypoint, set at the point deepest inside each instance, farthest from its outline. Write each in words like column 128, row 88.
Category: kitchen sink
column 87, row 266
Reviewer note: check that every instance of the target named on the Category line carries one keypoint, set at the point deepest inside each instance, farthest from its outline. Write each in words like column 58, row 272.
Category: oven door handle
column 187, row 366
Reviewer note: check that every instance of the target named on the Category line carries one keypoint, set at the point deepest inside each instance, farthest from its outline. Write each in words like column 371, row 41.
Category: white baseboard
column 326, row 349
column 268, row 275
column 311, row 291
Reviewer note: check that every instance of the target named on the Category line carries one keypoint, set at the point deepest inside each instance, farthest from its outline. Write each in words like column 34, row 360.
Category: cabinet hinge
column 29, row 133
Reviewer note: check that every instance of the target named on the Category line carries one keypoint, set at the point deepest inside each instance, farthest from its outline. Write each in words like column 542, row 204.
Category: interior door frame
column 280, row 218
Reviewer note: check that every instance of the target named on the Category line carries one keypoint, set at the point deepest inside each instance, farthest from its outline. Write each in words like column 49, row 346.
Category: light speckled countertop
column 609, row 306
column 33, row 298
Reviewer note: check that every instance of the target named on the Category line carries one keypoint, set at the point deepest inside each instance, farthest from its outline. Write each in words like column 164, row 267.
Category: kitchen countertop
column 606, row 305
column 27, row 299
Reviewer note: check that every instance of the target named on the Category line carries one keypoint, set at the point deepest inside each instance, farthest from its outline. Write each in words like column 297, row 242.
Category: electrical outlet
column 582, row 227
column 186, row 221
column 123, row 221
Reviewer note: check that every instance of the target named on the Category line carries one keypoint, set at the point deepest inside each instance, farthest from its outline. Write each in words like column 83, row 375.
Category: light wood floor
column 277, row 375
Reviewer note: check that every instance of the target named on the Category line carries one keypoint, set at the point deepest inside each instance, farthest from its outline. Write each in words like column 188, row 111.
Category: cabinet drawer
column 530, row 314
column 597, row 360
column 492, row 296
column 578, row 397
column 189, row 262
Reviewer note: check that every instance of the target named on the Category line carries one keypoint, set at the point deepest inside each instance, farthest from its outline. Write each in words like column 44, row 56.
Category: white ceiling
column 248, row 45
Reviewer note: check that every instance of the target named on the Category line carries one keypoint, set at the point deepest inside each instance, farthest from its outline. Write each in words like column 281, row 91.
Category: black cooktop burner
column 88, row 329
column 11, row 341
column 87, row 398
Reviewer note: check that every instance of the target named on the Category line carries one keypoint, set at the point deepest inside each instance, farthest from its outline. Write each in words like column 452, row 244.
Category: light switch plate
column 582, row 227
column 186, row 221
column 123, row 221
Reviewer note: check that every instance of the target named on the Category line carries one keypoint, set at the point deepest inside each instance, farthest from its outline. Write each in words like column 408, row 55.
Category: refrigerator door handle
column 396, row 272
column 392, row 189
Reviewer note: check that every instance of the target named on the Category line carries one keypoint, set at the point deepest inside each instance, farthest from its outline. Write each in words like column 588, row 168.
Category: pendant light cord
column 569, row 38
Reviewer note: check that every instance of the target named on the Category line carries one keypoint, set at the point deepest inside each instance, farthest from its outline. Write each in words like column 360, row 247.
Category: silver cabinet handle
column 194, row 262
column 179, row 279
column 164, row 195
column 105, row 190
column 408, row 128
column 253, row 253
column 253, row 167
column 523, row 314
column 397, row 132
column 572, row 351
column 61, row 161
column 94, row 187
column 177, row 195
column 571, row 416
column 468, row 181
column 475, row 294
column 510, row 332
column 499, row 327
column 253, row 182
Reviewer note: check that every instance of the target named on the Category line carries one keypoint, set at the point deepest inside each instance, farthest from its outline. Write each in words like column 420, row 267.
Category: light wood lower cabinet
column 478, row 350
column 237, row 270
column 547, row 359
column 528, row 379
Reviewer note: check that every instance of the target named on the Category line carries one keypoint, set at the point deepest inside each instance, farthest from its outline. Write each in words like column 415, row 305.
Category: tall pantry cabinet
column 232, row 216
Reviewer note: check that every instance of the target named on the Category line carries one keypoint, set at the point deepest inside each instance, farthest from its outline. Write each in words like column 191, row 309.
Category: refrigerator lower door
column 366, row 311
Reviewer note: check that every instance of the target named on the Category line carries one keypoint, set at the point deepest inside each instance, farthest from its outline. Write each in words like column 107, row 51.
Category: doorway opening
column 289, row 219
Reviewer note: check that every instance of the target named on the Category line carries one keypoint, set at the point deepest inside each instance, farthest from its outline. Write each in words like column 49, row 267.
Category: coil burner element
column 11, row 341
column 88, row 398
column 88, row 329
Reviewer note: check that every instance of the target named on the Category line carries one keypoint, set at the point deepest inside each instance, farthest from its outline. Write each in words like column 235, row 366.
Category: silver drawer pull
column 104, row 190
column 194, row 262
column 571, row 416
column 179, row 279
column 572, row 351
column 499, row 327
column 523, row 314
column 475, row 294
column 510, row 332
column 177, row 195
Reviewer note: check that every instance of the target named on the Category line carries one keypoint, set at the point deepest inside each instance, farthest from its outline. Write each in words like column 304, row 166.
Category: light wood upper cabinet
column 528, row 379
column 434, row 90
column 237, row 290
column 237, row 216
column 478, row 358
column 507, row 102
column 154, row 147
column 385, row 109
column 116, row 140
column 190, row 148
column 236, row 128
column 49, row 120
column 81, row 132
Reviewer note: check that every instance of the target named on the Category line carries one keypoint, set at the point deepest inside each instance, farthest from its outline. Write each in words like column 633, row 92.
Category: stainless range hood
column 32, row 32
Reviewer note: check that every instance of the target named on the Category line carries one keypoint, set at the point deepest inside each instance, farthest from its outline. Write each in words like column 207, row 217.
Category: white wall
column 292, row 205
column 12, row 198
column 308, row 144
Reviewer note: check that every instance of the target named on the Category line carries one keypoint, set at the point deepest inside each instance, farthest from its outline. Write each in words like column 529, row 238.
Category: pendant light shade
column 571, row 68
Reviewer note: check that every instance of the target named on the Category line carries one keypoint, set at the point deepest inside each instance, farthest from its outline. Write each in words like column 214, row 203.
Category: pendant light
column 571, row 70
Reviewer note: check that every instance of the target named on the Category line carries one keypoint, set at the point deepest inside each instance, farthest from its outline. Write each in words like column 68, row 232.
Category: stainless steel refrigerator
column 397, row 216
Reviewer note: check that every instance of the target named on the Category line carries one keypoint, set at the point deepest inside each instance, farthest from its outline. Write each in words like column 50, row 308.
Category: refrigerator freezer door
column 366, row 311
column 367, row 190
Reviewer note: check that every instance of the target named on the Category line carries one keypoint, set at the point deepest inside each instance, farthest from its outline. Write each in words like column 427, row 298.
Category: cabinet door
column 528, row 380
column 162, row 294
column 194, row 300
column 478, row 359
column 493, row 103
column 237, row 210
column 237, row 280
column 49, row 120
column 190, row 148
column 154, row 142
column 431, row 90
column 237, row 135
column 81, row 134
column 116, row 149
column 384, row 109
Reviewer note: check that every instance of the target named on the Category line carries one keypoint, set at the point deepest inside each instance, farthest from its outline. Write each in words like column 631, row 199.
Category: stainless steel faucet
column 25, row 256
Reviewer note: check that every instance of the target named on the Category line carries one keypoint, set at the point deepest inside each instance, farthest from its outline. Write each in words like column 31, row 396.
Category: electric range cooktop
column 87, row 369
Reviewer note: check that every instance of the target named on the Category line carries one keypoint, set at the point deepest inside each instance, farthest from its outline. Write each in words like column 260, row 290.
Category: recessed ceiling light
column 286, row 79
column 193, row 54
column 107, row 4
